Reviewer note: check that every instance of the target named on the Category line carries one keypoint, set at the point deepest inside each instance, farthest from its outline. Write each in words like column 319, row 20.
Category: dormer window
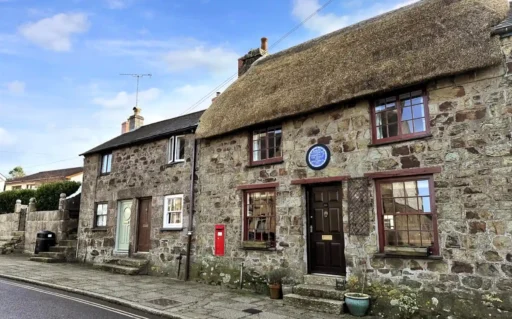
column 266, row 146
column 176, row 149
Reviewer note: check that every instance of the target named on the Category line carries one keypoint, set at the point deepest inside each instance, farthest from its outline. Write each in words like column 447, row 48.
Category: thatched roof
column 426, row 40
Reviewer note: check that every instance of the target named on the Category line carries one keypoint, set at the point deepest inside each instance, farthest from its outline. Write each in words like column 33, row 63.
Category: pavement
column 162, row 296
column 42, row 303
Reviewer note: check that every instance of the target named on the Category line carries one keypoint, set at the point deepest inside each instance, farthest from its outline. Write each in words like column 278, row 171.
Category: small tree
column 17, row 172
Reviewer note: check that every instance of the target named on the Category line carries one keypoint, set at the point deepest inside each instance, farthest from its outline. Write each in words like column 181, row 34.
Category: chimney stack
column 245, row 62
column 216, row 96
column 134, row 122
column 264, row 44
column 124, row 127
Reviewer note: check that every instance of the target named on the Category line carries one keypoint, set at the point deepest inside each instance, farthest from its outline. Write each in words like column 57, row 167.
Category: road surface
column 23, row 301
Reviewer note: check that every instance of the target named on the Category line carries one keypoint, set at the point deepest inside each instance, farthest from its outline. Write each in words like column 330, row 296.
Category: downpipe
column 191, row 213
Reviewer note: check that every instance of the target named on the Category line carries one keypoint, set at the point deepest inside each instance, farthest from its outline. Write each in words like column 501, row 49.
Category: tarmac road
column 24, row 301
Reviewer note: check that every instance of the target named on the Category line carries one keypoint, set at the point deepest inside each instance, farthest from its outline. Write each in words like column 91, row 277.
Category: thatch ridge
column 426, row 40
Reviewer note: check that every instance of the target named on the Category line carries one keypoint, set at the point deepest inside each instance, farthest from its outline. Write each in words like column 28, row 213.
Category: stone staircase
column 65, row 251
column 318, row 293
column 124, row 266
column 13, row 243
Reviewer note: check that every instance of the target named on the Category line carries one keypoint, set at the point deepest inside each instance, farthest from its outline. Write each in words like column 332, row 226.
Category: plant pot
column 275, row 291
column 358, row 304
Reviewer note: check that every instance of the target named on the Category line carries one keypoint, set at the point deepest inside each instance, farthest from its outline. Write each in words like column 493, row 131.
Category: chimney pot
column 264, row 44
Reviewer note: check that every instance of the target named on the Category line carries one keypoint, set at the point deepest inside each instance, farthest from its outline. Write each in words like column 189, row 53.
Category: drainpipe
column 191, row 213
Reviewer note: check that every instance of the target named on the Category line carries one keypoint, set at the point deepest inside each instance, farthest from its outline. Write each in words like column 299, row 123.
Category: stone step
column 324, row 280
column 318, row 291
column 117, row 269
column 314, row 304
column 60, row 249
column 45, row 260
column 50, row 254
column 67, row 243
column 129, row 262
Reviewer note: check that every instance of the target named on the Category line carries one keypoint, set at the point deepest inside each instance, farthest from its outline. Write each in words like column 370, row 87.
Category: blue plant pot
column 357, row 304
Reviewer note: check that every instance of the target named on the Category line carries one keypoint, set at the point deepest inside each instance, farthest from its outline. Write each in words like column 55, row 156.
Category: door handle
column 311, row 228
column 326, row 213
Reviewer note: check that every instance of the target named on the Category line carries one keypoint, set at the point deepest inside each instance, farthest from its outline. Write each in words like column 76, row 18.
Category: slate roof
column 47, row 175
column 150, row 132
column 506, row 25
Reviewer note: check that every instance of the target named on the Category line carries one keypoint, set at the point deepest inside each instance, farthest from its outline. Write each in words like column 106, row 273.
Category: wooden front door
column 124, row 214
column 326, row 241
column 144, row 229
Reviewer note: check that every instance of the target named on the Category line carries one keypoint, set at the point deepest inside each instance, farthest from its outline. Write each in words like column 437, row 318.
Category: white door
column 123, row 226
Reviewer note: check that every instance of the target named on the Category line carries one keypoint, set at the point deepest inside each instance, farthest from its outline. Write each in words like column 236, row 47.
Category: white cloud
column 323, row 23
column 55, row 33
column 124, row 99
column 213, row 59
column 6, row 138
column 117, row 4
column 16, row 87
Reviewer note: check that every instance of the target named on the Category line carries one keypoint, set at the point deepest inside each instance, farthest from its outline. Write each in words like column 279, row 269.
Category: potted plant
column 358, row 303
column 274, row 281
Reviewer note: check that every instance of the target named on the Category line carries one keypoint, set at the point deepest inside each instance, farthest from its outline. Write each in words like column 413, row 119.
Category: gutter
column 191, row 213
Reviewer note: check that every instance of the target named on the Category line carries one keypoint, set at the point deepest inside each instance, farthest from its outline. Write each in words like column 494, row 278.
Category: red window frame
column 433, row 213
column 268, row 160
column 273, row 219
column 400, row 136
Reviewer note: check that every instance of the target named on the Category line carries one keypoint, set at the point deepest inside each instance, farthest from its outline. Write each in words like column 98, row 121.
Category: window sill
column 104, row 174
column 258, row 249
column 257, row 245
column 99, row 229
column 384, row 256
column 169, row 229
column 273, row 161
column 406, row 139
column 174, row 163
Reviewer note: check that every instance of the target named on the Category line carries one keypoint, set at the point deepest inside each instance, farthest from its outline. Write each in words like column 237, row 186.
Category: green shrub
column 8, row 199
column 47, row 195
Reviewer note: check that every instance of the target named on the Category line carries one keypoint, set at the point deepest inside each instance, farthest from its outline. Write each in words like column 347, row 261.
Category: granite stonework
column 471, row 127
column 139, row 171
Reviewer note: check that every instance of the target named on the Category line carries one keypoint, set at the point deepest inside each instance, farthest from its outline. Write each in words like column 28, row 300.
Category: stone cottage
column 383, row 149
column 136, row 197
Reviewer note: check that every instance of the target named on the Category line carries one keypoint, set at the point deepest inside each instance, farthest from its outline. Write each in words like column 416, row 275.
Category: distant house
column 2, row 182
column 35, row 180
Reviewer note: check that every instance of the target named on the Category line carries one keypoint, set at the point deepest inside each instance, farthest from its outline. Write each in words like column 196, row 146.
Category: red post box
column 220, row 234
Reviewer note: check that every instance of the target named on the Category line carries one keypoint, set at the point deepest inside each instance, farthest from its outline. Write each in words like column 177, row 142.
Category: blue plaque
column 318, row 157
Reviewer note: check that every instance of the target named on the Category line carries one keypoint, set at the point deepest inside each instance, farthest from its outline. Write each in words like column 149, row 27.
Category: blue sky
column 60, row 89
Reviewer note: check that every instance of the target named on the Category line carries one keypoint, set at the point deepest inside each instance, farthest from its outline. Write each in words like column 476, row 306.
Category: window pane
column 389, row 222
column 423, row 188
column 260, row 220
column 403, row 238
column 414, row 222
column 392, row 130
column 278, row 143
column 419, row 125
column 109, row 163
column 101, row 221
column 427, row 239
column 386, row 190
column 104, row 164
column 401, row 222
column 426, row 223
column 412, row 205
column 390, row 239
column 398, row 189
column 181, row 148
column 425, row 204
column 410, row 188
column 415, row 238
column 406, row 114
column 407, row 127
column 177, row 204
column 418, row 111
column 389, row 207
column 171, row 149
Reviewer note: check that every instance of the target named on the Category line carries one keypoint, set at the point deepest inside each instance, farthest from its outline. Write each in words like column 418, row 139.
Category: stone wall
column 471, row 126
column 139, row 171
column 9, row 223
column 56, row 221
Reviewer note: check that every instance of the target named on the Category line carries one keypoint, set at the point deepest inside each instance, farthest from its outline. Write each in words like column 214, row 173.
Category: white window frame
column 104, row 210
column 108, row 168
column 174, row 149
column 166, row 224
